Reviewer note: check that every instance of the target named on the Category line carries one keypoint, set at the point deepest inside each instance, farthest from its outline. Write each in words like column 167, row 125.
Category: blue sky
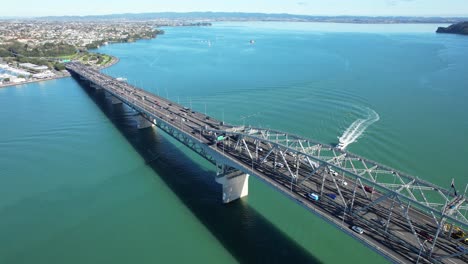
column 307, row 7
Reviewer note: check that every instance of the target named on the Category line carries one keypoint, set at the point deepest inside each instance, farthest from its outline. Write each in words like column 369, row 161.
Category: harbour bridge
column 404, row 218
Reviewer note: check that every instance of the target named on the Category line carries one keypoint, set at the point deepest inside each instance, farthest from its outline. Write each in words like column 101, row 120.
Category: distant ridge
column 237, row 16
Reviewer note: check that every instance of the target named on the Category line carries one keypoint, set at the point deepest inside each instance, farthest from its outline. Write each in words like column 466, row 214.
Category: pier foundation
column 142, row 122
column 235, row 185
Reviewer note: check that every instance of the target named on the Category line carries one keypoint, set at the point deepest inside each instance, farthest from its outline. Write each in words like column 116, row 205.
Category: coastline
column 113, row 61
column 34, row 81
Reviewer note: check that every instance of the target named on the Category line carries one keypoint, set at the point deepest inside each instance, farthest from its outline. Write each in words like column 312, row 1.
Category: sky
column 28, row 8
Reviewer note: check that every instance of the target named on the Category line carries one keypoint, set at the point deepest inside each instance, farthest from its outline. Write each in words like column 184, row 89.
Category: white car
column 279, row 164
column 343, row 182
column 358, row 229
column 334, row 173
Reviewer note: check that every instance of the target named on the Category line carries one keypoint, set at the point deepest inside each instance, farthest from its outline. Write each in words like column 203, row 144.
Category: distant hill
column 459, row 28
column 235, row 16
column 176, row 15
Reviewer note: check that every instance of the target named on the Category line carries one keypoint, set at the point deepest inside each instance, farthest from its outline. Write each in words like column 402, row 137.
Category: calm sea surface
column 80, row 184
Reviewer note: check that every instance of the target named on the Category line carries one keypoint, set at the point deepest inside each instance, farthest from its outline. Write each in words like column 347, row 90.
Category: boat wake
column 357, row 128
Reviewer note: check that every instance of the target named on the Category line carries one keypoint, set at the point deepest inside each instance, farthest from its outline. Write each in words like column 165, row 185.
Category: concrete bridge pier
column 235, row 185
column 142, row 122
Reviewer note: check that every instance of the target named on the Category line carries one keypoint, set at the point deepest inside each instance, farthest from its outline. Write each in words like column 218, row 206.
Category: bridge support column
column 142, row 122
column 235, row 185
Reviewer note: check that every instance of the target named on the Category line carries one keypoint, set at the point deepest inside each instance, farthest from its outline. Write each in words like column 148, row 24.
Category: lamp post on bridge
column 344, row 215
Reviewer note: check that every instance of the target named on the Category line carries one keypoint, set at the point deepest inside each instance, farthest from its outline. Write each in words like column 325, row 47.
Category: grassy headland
column 54, row 54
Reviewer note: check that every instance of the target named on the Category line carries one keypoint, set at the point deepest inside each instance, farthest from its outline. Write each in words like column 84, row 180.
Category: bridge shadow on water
column 245, row 233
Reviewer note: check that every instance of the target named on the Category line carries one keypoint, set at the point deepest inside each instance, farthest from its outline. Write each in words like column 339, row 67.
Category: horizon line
column 234, row 12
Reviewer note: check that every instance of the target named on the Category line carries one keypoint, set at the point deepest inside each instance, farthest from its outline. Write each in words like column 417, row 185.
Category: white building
column 33, row 67
column 15, row 71
column 44, row 75
column 17, row 80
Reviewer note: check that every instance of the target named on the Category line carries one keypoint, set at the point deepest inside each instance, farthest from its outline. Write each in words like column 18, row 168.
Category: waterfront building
column 33, row 67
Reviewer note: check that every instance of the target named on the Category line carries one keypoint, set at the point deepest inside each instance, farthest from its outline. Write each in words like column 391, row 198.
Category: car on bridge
column 459, row 233
column 369, row 189
column 461, row 248
column 358, row 229
column 279, row 164
column 343, row 182
column 425, row 235
column 314, row 196
column 381, row 222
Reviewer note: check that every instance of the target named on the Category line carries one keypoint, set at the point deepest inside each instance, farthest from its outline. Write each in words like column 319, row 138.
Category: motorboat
column 340, row 146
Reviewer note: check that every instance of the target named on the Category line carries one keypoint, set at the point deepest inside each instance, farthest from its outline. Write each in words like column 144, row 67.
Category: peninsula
column 458, row 28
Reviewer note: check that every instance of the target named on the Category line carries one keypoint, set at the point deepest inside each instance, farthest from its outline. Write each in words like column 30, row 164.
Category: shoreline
column 34, row 81
column 112, row 62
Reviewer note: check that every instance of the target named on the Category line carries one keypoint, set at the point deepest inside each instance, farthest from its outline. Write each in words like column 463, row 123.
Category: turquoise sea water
column 75, row 187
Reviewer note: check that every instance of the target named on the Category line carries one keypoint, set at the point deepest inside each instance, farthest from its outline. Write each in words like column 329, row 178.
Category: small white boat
column 340, row 146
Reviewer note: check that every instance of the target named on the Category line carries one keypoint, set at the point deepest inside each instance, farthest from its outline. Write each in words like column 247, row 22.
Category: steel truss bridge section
column 436, row 201
column 387, row 192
